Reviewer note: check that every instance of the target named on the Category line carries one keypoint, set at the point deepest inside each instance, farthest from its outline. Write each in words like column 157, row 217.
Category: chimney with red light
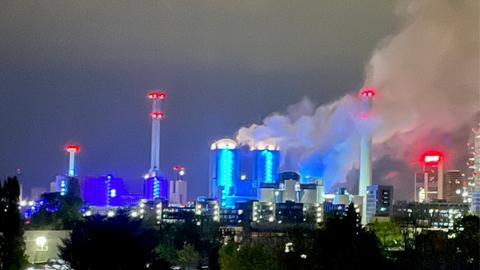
column 72, row 149
column 365, row 178
column 156, row 96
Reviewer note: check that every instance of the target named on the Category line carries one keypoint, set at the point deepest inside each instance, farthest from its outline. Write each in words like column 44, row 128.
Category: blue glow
column 268, row 168
column 226, row 172
column 156, row 188
column 107, row 187
column 63, row 189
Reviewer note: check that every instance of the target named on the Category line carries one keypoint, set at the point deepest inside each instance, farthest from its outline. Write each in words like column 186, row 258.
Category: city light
column 41, row 242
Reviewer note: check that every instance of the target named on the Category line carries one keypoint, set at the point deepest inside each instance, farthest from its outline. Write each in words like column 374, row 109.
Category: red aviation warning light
column 178, row 168
column 432, row 158
column 157, row 94
column 158, row 115
column 72, row 148
column 368, row 92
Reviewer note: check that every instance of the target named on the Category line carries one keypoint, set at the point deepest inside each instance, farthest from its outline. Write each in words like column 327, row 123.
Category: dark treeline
column 12, row 245
column 125, row 243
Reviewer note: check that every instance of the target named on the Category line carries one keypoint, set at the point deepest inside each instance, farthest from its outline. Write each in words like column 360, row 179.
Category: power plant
column 246, row 184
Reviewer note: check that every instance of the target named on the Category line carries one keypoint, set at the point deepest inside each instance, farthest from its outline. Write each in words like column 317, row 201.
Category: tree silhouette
column 343, row 244
column 59, row 212
column 12, row 245
column 116, row 243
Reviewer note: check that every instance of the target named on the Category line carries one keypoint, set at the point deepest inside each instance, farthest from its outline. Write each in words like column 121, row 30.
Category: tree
column 116, row 243
column 343, row 244
column 188, row 257
column 59, row 212
column 388, row 234
column 465, row 245
column 12, row 245
column 250, row 256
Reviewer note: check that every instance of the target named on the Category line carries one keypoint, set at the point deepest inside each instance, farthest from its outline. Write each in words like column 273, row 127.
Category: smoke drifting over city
column 427, row 89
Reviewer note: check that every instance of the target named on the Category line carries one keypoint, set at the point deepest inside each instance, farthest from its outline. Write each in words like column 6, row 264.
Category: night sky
column 79, row 71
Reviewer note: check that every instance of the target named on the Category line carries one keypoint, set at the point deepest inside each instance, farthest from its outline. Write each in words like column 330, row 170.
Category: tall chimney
column 365, row 179
column 72, row 149
column 156, row 96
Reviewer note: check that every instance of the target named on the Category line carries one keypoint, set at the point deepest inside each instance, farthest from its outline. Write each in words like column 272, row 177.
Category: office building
column 379, row 201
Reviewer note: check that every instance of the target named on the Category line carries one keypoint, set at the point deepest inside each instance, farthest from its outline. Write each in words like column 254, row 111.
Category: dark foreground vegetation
column 123, row 243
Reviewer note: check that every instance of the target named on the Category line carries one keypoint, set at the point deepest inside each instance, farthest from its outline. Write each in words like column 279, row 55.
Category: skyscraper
column 455, row 186
column 429, row 183
column 474, row 166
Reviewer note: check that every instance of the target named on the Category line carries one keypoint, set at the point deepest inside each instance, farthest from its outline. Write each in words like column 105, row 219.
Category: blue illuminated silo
column 224, row 170
column 267, row 160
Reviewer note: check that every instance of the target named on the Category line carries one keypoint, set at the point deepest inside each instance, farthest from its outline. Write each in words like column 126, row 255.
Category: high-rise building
column 429, row 183
column 474, row 166
column 455, row 186
column 379, row 201
column 177, row 193
column 224, row 170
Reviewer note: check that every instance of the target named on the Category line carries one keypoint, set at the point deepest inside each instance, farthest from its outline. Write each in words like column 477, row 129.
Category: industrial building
column 104, row 191
column 224, row 172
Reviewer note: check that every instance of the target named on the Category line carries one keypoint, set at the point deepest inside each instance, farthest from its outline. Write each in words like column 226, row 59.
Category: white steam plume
column 427, row 81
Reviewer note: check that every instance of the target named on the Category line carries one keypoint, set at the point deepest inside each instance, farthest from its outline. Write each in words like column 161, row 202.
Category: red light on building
column 158, row 115
column 368, row 92
column 432, row 158
column 157, row 95
column 178, row 168
column 72, row 148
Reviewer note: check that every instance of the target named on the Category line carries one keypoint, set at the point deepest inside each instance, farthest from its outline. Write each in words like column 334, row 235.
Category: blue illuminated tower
column 267, row 160
column 224, row 172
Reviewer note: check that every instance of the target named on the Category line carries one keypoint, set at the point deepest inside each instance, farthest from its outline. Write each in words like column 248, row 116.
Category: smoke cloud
column 426, row 77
